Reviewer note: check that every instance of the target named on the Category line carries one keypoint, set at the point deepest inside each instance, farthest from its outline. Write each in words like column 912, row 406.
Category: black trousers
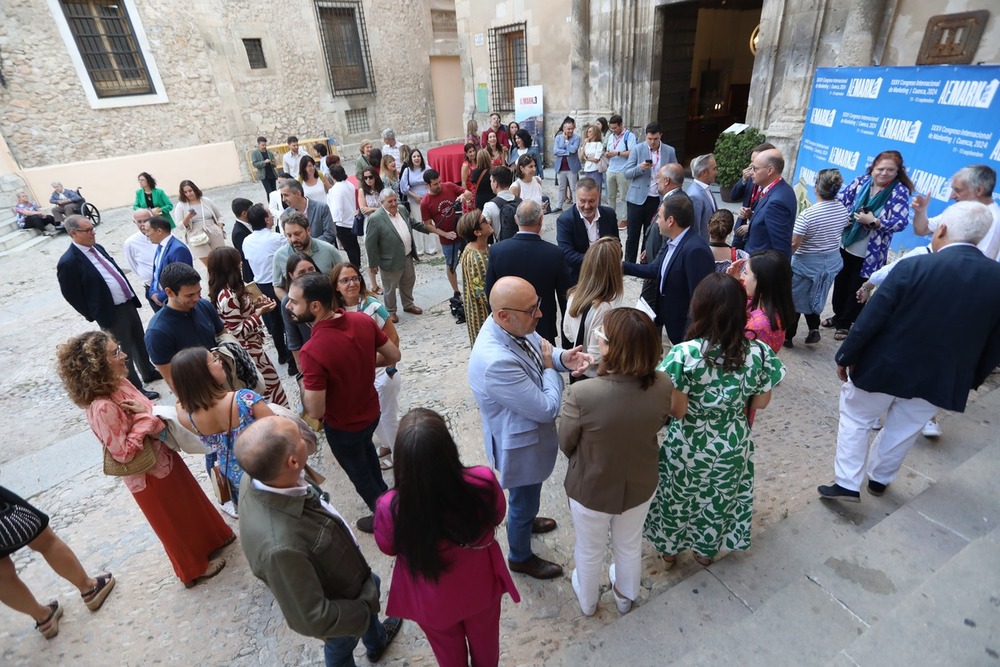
column 38, row 221
column 274, row 324
column 812, row 321
column 639, row 218
column 127, row 330
column 845, row 291
column 349, row 242
column 270, row 185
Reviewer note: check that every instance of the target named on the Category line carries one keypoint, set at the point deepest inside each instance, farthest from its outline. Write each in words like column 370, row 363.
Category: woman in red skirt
column 92, row 368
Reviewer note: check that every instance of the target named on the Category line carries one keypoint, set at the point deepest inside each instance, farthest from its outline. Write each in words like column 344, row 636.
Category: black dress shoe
column 392, row 625
column 152, row 377
column 542, row 525
column 837, row 492
column 789, row 342
column 151, row 395
column 536, row 567
column 813, row 337
column 876, row 488
column 366, row 524
column 293, row 369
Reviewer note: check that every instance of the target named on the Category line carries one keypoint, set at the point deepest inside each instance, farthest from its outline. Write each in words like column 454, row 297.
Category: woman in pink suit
column 440, row 521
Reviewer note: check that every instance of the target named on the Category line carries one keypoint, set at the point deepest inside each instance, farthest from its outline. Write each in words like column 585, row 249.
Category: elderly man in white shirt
column 389, row 145
column 972, row 183
column 139, row 250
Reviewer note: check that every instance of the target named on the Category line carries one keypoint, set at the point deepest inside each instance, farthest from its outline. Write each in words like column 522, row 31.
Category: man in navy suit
column 97, row 289
column 774, row 214
column 684, row 260
column 746, row 190
column 929, row 335
column 169, row 249
column 643, row 199
column 579, row 227
column 528, row 256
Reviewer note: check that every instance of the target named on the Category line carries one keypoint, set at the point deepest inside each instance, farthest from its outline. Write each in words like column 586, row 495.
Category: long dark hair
column 773, row 294
column 434, row 501
column 224, row 271
column 378, row 185
column 719, row 317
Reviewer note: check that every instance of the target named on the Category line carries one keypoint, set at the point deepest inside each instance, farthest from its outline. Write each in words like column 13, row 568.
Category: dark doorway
column 705, row 71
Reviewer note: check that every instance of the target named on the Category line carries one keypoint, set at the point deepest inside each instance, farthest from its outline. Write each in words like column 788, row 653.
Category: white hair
column 386, row 193
column 967, row 222
column 56, row 183
column 700, row 164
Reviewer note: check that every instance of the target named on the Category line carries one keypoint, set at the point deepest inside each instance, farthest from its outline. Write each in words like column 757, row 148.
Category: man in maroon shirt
column 338, row 375
column 437, row 209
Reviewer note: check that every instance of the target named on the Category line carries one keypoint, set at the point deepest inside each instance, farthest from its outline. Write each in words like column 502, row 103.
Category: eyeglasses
column 88, row 230
column 530, row 311
column 349, row 279
column 118, row 352
column 599, row 332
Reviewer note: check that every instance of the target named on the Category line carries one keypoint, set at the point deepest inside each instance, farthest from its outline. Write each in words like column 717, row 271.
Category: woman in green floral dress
column 476, row 230
column 704, row 499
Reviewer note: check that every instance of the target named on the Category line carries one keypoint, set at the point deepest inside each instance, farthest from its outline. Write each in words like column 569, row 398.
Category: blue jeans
column 339, row 651
column 522, row 508
column 355, row 452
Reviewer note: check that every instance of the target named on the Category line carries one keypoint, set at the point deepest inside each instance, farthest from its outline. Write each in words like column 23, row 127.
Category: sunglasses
column 599, row 332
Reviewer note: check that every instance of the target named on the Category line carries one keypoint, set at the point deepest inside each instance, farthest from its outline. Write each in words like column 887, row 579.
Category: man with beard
column 296, row 229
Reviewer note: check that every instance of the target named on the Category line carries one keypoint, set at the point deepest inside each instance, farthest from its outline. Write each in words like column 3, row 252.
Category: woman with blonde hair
column 389, row 173
column 591, row 153
column 598, row 291
column 472, row 133
column 93, row 369
column 362, row 162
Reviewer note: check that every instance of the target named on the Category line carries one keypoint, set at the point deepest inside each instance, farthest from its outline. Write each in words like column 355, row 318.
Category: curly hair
column 82, row 363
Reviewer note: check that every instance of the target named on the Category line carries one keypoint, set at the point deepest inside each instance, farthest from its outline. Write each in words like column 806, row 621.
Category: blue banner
column 940, row 118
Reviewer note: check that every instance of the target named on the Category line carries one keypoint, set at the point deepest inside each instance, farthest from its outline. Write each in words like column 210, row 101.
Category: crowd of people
column 658, row 438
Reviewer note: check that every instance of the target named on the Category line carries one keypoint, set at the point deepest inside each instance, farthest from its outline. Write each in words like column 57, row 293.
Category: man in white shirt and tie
column 704, row 170
column 139, row 250
column 96, row 287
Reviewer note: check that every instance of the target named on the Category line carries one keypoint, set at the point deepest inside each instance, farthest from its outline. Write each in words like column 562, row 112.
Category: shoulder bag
column 220, row 483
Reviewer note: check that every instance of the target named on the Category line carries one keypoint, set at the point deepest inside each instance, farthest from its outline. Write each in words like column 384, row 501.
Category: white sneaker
column 932, row 429
column 623, row 603
column 576, row 589
column 229, row 508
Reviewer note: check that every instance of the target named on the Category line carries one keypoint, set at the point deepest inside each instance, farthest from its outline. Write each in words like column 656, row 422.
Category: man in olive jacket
column 303, row 550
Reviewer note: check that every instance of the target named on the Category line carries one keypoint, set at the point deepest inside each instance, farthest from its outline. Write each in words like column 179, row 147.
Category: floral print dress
column 222, row 443
column 704, row 499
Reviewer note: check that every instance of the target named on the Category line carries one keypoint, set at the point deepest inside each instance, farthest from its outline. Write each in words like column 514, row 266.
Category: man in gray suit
column 704, row 170
column 514, row 375
column 321, row 225
column 643, row 199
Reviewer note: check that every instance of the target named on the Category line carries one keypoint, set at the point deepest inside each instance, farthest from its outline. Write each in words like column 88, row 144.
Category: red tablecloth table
column 448, row 161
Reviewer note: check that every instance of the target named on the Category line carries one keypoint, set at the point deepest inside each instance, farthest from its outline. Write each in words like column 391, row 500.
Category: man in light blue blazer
column 643, row 198
column 566, row 154
column 514, row 375
column 703, row 171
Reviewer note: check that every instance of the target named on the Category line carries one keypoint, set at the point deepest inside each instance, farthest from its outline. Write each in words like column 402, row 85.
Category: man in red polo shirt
column 438, row 211
column 338, row 374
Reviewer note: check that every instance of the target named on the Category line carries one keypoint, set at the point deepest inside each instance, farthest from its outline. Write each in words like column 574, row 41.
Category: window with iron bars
column 345, row 45
column 255, row 53
column 357, row 121
column 508, row 64
column 107, row 44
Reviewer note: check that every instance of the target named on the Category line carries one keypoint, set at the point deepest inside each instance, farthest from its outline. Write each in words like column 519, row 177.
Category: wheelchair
column 89, row 211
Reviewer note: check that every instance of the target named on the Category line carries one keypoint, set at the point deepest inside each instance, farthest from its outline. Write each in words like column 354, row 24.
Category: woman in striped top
column 816, row 259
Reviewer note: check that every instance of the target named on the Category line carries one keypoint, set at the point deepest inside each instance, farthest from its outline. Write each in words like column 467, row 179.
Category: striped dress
column 247, row 327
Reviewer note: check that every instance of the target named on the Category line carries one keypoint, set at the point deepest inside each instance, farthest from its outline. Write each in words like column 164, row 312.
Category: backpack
column 508, row 226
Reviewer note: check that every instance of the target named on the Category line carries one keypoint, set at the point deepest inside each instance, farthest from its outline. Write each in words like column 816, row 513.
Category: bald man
column 301, row 547
column 774, row 213
column 514, row 375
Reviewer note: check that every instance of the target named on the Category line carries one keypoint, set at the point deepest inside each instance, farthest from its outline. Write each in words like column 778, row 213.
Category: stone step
column 8, row 225
column 951, row 619
column 17, row 237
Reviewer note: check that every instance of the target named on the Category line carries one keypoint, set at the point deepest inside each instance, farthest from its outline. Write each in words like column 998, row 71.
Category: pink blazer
column 476, row 578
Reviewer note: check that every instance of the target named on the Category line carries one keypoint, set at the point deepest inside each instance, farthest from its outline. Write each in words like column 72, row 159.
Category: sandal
column 704, row 561
column 229, row 540
column 50, row 626
column 214, row 567
column 385, row 465
column 384, row 452
column 828, row 323
column 841, row 334
column 96, row 596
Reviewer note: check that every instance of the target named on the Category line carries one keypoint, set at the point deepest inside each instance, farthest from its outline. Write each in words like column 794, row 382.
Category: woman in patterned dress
column 704, row 499
column 475, row 228
column 352, row 295
column 215, row 415
column 468, row 164
column 241, row 315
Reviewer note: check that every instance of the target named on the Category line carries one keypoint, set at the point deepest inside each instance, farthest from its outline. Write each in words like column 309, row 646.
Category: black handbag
column 359, row 224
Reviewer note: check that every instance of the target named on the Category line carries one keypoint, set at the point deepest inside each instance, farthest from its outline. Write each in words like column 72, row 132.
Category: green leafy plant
column 732, row 154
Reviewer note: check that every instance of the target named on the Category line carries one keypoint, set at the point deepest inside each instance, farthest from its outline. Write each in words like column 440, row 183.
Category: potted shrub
column 732, row 155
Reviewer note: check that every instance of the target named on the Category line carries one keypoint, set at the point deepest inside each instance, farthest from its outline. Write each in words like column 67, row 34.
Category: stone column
column 579, row 55
column 857, row 46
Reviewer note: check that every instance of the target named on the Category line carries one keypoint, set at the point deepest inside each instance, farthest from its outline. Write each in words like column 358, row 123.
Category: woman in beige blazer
column 608, row 432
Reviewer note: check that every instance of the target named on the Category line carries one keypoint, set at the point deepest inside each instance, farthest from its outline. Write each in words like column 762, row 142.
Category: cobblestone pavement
column 232, row 619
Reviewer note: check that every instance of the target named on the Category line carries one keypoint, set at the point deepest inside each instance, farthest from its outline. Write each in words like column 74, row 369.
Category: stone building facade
column 646, row 59
column 218, row 74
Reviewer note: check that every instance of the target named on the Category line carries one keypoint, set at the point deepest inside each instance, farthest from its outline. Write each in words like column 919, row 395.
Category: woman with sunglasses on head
column 476, row 230
column 349, row 286
column 607, row 430
column 599, row 290
column 704, row 499
column 206, row 408
column 93, row 369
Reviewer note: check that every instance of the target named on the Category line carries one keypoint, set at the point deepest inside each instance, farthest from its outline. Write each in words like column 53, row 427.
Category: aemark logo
column 995, row 155
column 824, row 117
column 868, row 88
column 978, row 94
column 807, row 176
column 924, row 181
column 900, row 130
column 844, row 158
